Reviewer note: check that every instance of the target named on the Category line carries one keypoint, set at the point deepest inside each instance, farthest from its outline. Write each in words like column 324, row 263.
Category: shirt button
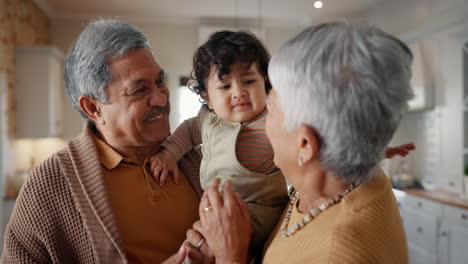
column 154, row 198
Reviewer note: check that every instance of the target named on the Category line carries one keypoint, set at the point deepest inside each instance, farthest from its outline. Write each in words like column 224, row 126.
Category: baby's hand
column 401, row 150
column 162, row 164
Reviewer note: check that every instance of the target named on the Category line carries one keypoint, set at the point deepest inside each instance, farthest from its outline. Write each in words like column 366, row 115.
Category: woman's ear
column 205, row 97
column 91, row 108
column 308, row 144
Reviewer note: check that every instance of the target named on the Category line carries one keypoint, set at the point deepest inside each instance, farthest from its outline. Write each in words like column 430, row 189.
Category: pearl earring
column 300, row 161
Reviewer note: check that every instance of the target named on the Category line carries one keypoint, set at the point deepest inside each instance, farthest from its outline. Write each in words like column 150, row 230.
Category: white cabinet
column 454, row 228
column 420, row 81
column 420, row 256
column 421, row 219
column 455, row 247
column 39, row 92
column 465, row 117
column 436, row 232
column 421, row 231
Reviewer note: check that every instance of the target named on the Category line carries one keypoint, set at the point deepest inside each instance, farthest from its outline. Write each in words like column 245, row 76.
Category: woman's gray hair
column 86, row 66
column 351, row 84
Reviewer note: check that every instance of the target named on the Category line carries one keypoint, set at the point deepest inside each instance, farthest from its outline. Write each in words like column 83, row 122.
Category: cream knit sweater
column 63, row 214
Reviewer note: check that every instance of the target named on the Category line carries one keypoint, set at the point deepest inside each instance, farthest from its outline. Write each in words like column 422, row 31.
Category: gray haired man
column 94, row 201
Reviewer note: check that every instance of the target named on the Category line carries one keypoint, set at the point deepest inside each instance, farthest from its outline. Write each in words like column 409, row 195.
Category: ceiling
column 279, row 12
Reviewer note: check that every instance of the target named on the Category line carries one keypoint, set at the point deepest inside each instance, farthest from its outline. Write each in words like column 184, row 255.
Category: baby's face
column 240, row 97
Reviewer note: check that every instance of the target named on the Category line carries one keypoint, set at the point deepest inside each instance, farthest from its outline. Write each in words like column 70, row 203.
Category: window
column 189, row 104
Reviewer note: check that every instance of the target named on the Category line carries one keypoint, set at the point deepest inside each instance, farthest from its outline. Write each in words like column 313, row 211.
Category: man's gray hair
column 351, row 84
column 86, row 66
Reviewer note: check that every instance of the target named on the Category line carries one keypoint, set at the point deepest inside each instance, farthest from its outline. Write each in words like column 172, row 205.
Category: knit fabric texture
column 365, row 227
column 63, row 213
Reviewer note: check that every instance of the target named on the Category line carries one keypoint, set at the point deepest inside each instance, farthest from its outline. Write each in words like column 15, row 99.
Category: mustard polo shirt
column 152, row 220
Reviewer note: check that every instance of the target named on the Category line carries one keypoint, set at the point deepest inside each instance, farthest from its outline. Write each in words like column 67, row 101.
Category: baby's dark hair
column 223, row 49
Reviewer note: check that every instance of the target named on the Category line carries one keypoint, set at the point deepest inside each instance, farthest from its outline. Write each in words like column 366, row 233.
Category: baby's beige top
column 219, row 161
column 265, row 194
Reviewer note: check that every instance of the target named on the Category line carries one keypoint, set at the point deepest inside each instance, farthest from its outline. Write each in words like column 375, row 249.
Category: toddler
column 230, row 75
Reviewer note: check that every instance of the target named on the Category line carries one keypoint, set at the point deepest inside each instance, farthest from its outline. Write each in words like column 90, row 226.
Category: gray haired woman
column 339, row 92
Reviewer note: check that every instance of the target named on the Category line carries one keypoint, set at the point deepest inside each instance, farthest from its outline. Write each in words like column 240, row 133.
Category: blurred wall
column 22, row 23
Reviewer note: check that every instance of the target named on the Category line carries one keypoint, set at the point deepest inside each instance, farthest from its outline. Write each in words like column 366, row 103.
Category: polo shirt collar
column 109, row 158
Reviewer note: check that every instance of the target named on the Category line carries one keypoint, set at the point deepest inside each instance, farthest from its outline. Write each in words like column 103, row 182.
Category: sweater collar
column 83, row 169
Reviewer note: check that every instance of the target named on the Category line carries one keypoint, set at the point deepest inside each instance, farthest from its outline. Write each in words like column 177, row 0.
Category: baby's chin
column 239, row 116
column 246, row 117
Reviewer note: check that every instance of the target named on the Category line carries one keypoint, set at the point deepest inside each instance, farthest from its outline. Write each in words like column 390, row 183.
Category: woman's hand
column 225, row 223
column 401, row 150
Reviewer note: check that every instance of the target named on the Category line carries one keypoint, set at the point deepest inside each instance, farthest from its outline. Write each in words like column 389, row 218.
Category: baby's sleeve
column 187, row 135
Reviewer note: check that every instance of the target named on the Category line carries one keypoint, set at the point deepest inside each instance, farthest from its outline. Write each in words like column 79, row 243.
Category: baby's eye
column 225, row 87
column 249, row 81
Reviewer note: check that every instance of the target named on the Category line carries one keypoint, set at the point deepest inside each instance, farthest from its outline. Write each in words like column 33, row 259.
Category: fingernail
column 181, row 250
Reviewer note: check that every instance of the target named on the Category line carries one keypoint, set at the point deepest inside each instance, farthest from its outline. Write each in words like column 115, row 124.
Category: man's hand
column 177, row 258
column 198, row 242
column 163, row 164
column 186, row 250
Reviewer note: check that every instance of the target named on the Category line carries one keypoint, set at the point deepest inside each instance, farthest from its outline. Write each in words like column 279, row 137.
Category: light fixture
column 318, row 4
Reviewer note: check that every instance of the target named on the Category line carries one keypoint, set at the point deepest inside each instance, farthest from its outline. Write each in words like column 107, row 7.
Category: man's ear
column 308, row 143
column 206, row 98
column 91, row 108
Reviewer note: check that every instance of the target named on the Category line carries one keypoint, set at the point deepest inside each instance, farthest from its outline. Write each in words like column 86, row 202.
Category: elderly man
column 94, row 201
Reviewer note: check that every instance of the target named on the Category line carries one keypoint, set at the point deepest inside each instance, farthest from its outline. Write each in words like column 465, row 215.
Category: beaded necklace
column 287, row 232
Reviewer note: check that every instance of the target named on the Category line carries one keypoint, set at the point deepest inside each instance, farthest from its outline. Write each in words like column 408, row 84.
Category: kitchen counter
column 439, row 196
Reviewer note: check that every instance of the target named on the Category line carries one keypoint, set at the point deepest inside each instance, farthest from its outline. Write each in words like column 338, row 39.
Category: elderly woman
column 339, row 92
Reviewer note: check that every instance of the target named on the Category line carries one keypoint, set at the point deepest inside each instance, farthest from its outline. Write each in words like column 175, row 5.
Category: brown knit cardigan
column 63, row 213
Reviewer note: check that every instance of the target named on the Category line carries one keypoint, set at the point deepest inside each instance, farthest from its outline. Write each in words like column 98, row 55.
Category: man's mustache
column 158, row 110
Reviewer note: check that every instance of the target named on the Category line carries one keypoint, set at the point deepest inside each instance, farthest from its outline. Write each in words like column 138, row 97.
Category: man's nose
column 159, row 97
